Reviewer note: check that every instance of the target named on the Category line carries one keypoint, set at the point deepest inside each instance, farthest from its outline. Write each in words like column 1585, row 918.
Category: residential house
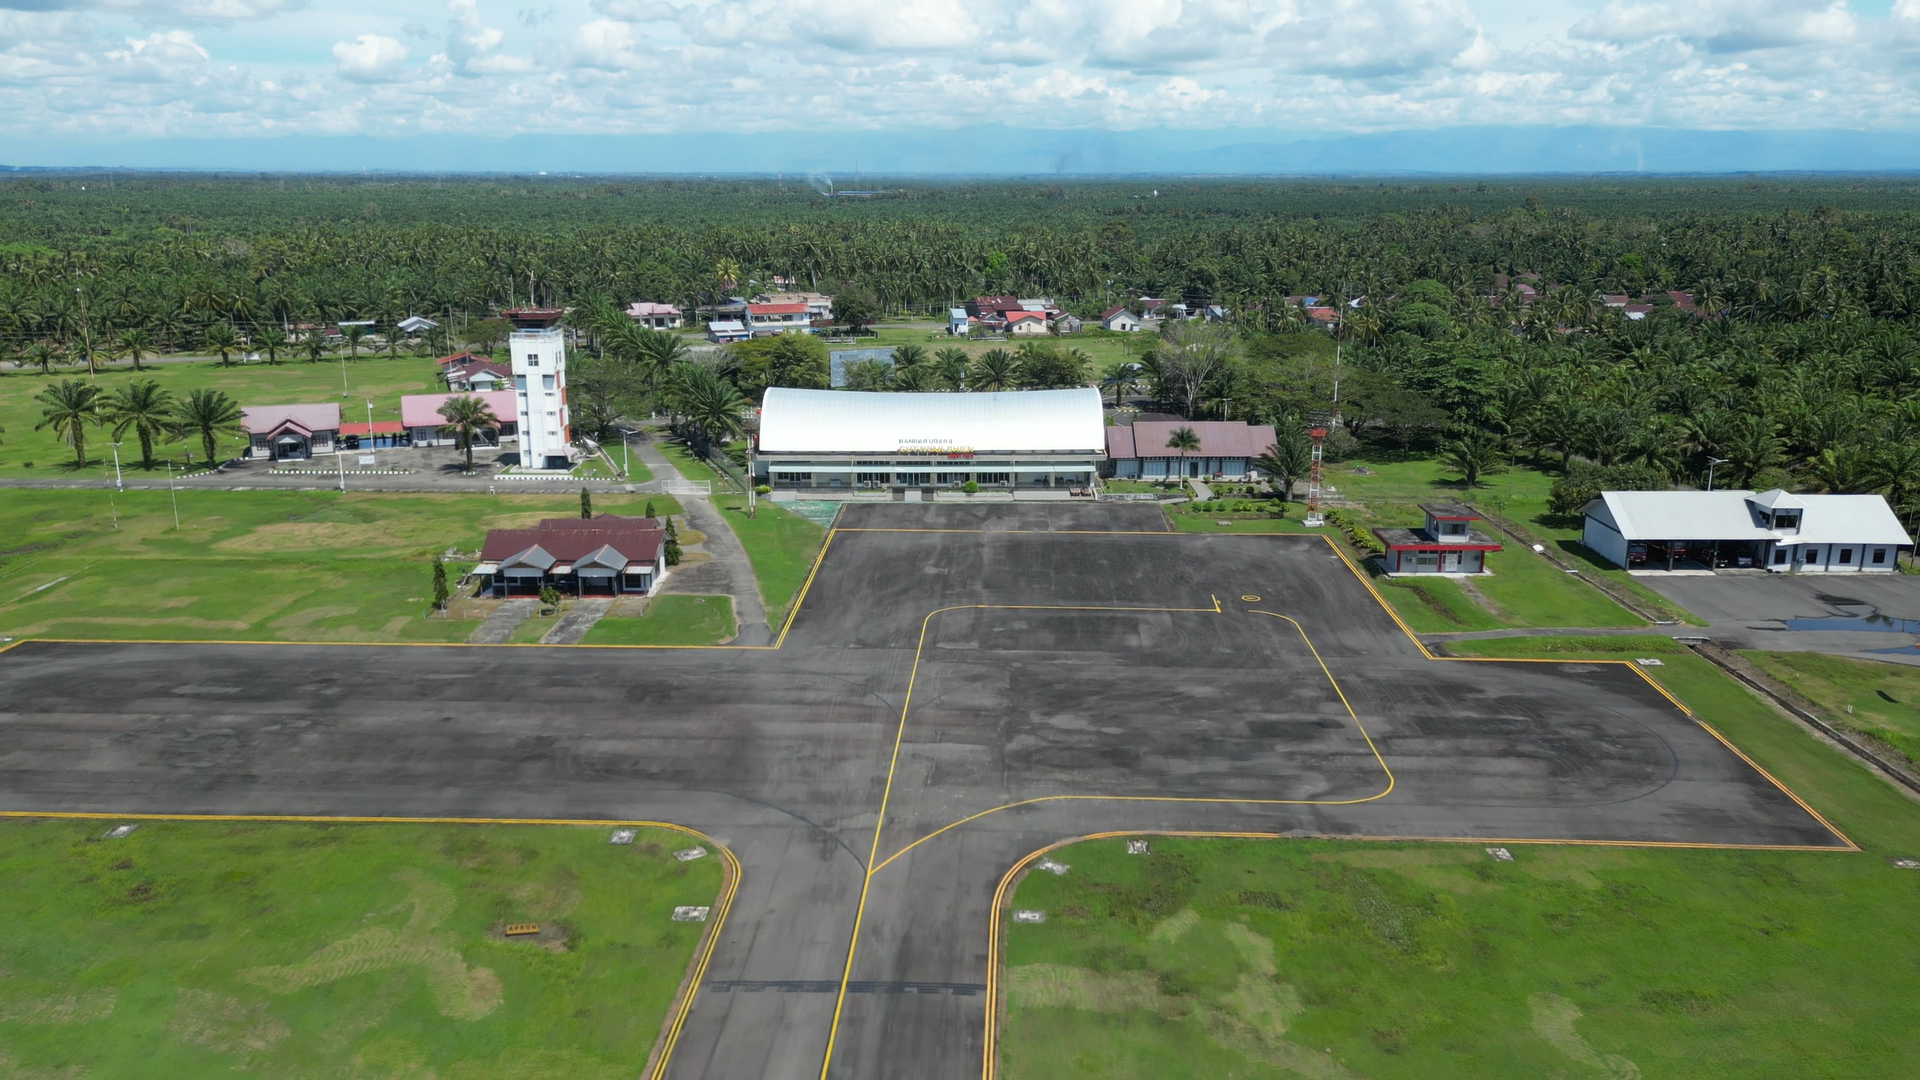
column 1227, row 449
column 655, row 316
column 414, row 324
column 1771, row 530
column 1447, row 544
column 990, row 307
column 608, row 555
column 420, row 415
column 1120, row 319
column 958, row 321
column 477, row 375
column 767, row 319
column 1026, row 323
column 819, row 305
column 1066, row 323
column 721, row 331
column 290, row 432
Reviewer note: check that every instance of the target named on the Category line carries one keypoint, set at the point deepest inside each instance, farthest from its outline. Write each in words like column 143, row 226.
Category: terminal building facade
column 1018, row 440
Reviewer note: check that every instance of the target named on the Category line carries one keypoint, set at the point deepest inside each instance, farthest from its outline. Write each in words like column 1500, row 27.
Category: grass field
column 297, row 950
column 291, row 381
column 780, row 545
column 1878, row 700
column 691, row 467
column 669, row 620
column 1238, row 958
column 254, row 565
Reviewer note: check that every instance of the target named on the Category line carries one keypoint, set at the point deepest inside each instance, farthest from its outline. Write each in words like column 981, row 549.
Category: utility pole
column 370, row 449
column 340, row 458
column 1712, row 462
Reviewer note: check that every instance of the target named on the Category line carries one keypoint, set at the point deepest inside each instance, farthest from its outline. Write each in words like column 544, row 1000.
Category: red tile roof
column 379, row 427
column 569, row 539
column 776, row 309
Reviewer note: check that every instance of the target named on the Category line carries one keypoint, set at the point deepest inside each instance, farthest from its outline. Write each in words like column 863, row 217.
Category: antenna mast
column 1313, row 518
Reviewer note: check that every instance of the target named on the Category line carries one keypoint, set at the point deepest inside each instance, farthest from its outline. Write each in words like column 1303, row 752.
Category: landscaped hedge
column 1358, row 536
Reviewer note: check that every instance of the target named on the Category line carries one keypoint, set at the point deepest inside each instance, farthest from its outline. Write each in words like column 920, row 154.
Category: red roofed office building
column 1227, row 449
column 420, row 415
column 608, row 555
column 1447, row 544
column 290, row 432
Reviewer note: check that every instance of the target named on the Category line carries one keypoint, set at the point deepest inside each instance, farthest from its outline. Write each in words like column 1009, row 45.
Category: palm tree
column 1286, row 460
column 710, row 407
column 914, row 380
column 146, row 409
column 953, row 366
column 208, row 414
column 1753, row 447
column 1122, row 376
column 1186, row 442
column 40, row 355
column 997, row 369
column 1474, row 454
column 222, row 339
column 466, row 417
column 68, row 407
column 314, row 345
column 134, row 343
column 270, row 341
column 354, row 335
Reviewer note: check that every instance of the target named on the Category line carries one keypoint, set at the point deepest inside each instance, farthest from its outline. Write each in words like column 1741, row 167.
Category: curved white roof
column 844, row 422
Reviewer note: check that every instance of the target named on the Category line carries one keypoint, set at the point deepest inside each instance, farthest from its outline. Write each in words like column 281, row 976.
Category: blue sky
column 108, row 71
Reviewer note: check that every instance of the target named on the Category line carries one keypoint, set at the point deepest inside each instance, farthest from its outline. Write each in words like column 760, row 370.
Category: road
column 944, row 703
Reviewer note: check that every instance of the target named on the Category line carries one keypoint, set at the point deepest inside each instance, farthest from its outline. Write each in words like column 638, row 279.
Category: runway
column 996, row 679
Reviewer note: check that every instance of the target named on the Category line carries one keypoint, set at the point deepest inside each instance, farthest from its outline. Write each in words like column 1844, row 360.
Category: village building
column 420, row 418
column 721, row 331
column 290, row 432
column 655, row 316
column 1447, row 544
column 1770, row 530
column 914, row 443
column 1119, row 319
column 958, row 321
column 1026, row 324
column 766, row 319
column 582, row 556
column 819, row 305
column 477, row 374
column 1227, row 449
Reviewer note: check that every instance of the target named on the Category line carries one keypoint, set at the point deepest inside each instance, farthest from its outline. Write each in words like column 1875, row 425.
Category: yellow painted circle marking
column 1250, row 599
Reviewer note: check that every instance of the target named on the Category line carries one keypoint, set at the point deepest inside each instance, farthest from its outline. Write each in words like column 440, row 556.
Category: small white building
column 1120, row 319
column 539, row 353
column 721, row 331
column 1771, row 530
column 958, row 321
column 1446, row 544
column 1026, row 324
column 766, row 319
column 290, row 432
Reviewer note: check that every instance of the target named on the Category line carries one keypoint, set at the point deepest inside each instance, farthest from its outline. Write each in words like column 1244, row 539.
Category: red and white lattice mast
column 1319, row 436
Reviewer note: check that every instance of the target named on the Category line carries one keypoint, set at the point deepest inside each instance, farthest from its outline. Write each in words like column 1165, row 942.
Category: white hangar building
column 1771, row 530
column 1025, row 439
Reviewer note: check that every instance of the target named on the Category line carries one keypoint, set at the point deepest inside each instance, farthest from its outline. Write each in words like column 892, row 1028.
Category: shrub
column 970, row 487
column 762, row 489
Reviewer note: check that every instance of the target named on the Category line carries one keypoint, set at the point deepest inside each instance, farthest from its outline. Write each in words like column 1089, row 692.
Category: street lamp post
column 1711, row 463
column 174, row 494
column 370, row 449
column 118, row 485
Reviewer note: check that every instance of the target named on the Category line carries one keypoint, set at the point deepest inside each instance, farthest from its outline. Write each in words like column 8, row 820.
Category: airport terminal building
column 1026, row 440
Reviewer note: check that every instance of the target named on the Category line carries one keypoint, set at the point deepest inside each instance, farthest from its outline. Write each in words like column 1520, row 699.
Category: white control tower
column 539, row 352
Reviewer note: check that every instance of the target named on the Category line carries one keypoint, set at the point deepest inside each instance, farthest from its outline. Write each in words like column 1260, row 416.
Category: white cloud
column 756, row 65
column 369, row 58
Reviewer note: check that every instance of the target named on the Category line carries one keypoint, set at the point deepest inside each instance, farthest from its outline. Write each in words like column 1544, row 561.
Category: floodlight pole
column 1711, row 462
column 117, row 484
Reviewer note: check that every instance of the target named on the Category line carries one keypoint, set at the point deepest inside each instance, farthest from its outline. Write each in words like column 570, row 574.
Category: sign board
column 369, row 459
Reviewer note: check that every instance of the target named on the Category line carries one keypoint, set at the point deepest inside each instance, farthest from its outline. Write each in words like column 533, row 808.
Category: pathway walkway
column 579, row 619
column 728, row 572
column 501, row 624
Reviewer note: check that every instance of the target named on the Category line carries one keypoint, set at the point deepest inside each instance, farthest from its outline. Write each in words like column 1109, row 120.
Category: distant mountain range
column 999, row 151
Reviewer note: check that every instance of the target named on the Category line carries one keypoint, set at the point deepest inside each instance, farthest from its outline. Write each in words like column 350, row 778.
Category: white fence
column 688, row 487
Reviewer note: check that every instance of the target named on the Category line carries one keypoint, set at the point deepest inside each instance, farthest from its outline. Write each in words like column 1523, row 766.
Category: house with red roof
column 1026, row 323
column 1227, row 449
column 420, row 415
column 1447, row 544
column 290, row 432
column 765, row 319
column 655, row 316
column 606, row 555
column 477, row 373
column 1119, row 319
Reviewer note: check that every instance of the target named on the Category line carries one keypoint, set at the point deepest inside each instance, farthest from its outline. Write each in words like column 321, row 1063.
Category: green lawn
column 210, row 948
column 1385, row 960
column 669, row 620
column 1875, row 699
column 691, row 467
column 291, row 381
column 249, row 565
column 780, row 545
